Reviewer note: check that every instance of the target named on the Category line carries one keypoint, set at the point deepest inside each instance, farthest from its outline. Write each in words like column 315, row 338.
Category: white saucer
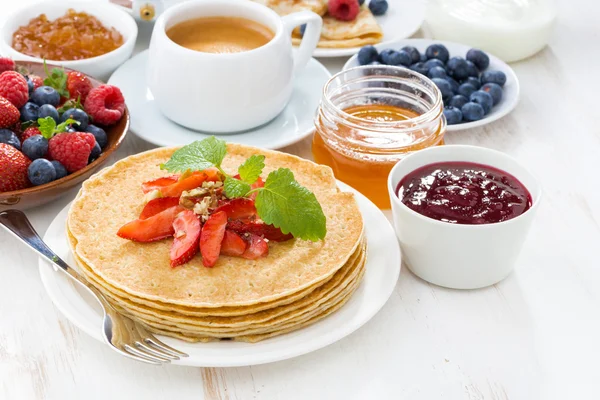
column 510, row 95
column 402, row 19
column 381, row 274
column 292, row 125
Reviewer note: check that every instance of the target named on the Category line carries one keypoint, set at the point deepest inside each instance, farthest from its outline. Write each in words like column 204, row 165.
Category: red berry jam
column 464, row 193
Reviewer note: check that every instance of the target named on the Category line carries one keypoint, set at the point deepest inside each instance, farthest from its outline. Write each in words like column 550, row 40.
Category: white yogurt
column 509, row 29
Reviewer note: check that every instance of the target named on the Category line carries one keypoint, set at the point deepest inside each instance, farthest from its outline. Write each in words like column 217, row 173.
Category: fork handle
column 17, row 223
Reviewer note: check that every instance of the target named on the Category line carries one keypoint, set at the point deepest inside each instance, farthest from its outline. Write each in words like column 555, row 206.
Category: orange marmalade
column 74, row 36
column 369, row 118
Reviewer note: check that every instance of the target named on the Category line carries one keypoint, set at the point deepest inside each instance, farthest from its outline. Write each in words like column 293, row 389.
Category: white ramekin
column 100, row 67
column 453, row 255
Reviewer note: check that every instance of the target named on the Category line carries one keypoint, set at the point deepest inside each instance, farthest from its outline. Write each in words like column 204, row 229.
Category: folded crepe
column 285, row 7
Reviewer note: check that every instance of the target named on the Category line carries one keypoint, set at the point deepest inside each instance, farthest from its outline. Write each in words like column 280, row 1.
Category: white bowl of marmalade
column 92, row 37
column 462, row 214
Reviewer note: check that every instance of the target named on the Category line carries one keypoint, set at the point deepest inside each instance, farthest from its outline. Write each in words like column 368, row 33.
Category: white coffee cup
column 231, row 92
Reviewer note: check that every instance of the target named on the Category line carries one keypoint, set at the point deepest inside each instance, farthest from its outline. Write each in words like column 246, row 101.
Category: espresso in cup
column 220, row 34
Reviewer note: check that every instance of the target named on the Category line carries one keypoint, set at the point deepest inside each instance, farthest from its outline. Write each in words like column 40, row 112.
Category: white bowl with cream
column 111, row 16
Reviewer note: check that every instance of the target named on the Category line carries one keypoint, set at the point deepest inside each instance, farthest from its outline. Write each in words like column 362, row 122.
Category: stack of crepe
column 335, row 34
column 297, row 284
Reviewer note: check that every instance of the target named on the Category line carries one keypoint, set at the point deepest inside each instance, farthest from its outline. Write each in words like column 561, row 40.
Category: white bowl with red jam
column 462, row 213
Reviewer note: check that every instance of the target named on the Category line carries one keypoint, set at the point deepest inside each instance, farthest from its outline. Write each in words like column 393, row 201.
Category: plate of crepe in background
column 344, row 38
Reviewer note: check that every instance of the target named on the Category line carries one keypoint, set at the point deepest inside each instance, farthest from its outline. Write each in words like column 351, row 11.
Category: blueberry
column 40, row 172
column 434, row 62
column 494, row 90
column 420, row 68
column 303, row 28
column 99, row 134
column 48, row 110
column 466, row 89
column 375, row 63
column 393, row 57
column 473, row 81
column 444, row 86
column 378, row 7
column 458, row 101
column 71, row 129
column 438, row 51
column 457, row 68
column 35, row 147
column 484, row 99
column 367, row 55
column 29, row 112
column 45, row 95
column 61, row 171
column 472, row 112
column 453, row 84
column 415, row 56
column 96, row 151
column 79, row 116
column 479, row 58
column 423, row 57
column 30, row 86
column 496, row 77
column 437, row 72
column 472, row 69
column 9, row 137
column 453, row 115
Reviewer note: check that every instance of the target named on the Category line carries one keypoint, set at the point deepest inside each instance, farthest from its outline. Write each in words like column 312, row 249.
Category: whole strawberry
column 71, row 149
column 13, row 87
column 9, row 114
column 37, row 81
column 13, row 169
column 6, row 64
column 29, row 132
column 78, row 86
column 105, row 104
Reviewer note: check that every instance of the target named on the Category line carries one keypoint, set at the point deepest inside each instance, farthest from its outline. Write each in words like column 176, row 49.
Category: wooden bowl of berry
column 57, row 127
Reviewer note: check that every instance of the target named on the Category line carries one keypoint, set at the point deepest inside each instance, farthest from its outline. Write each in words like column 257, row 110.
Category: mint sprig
column 282, row 202
column 70, row 104
column 57, row 78
column 48, row 127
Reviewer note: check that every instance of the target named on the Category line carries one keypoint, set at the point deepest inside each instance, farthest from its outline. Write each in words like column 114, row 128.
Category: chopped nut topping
column 194, row 193
column 201, row 208
column 179, row 234
column 210, row 184
column 186, row 203
column 154, row 194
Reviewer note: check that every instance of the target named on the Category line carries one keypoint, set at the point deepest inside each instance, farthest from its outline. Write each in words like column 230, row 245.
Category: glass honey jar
column 369, row 118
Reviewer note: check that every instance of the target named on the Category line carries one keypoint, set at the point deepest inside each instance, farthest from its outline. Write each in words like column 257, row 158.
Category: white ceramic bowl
column 453, row 255
column 100, row 67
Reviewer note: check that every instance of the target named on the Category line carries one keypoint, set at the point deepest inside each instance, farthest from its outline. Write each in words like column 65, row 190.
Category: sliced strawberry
column 187, row 237
column 259, row 228
column 159, row 183
column 257, row 248
column 232, row 244
column 238, row 208
column 155, row 206
column 157, row 227
column 211, row 237
column 196, row 179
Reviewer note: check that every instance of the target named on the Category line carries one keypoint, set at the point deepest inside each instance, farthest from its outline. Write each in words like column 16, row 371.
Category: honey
column 74, row 36
column 363, row 129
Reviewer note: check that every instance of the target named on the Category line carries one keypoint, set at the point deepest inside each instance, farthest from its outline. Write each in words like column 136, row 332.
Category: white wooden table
column 536, row 335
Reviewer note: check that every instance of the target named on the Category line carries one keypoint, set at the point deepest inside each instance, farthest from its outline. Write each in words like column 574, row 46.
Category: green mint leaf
column 70, row 104
column 62, row 127
column 57, row 78
column 294, row 209
column 251, row 169
column 27, row 124
column 197, row 156
column 47, row 126
column 235, row 188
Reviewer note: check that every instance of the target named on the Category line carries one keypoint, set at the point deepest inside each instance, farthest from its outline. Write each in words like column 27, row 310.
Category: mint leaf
column 294, row 209
column 47, row 126
column 70, row 104
column 197, row 156
column 251, row 169
column 63, row 125
column 57, row 78
column 235, row 188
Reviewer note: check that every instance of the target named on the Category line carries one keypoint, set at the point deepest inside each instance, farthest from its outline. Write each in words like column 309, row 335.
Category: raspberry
column 78, row 85
column 6, row 64
column 13, row 87
column 13, row 169
column 29, row 132
column 105, row 104
column 343, row 10
column 37, row 81
column 9, row 114
column 71, row 149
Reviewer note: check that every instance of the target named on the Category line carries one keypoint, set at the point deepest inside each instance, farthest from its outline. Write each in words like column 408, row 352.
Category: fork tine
column 164, row 347
column 155, row 352
column 142, row 354
column 136, row 357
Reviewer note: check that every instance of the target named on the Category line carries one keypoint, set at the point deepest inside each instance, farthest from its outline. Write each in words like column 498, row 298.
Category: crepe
column 285, row 7
column 112, row 198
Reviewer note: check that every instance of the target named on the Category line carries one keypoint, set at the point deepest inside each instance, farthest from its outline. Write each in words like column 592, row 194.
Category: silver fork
column 123, row 334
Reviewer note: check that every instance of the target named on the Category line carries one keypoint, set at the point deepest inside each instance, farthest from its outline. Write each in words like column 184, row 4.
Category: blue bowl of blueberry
column 477, row 87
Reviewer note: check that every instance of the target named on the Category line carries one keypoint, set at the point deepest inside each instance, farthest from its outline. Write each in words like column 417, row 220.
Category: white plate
column 294, row 123
column 402, row 19
column 383, row 270
column 510, row 97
